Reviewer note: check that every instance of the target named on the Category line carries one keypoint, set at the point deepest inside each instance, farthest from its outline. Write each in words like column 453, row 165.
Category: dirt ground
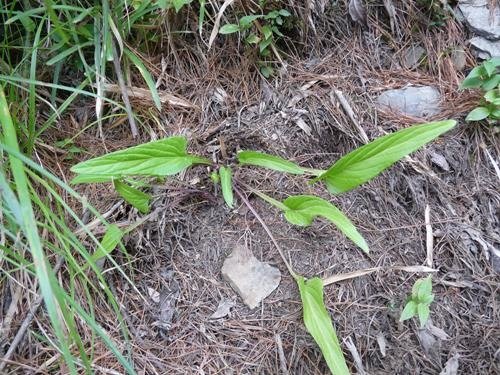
column 177, row 254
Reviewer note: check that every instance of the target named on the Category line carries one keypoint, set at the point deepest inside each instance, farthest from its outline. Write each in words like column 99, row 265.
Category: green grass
column 41, row 42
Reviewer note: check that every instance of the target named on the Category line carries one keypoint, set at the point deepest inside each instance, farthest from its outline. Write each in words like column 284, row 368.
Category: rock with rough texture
column 480, row 18
column 485, row 48
column 421, row 101
column 252, row 279
column 412, row 56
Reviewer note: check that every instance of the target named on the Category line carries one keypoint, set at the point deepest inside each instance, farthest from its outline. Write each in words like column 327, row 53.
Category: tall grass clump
column 53, row 53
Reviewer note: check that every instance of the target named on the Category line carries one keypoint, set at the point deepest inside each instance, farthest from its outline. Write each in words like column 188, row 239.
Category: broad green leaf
column 319, row 324
column 229, row 28
column 284, row 13
column 135, row 197
column 493, row 96
column 146, row 75
column 276, row 163
column 491, row 83
column 266, row 30
column 422, row 288
column 423, row 313
column 303, row 209
column 409, row 311
column 489, row 67
column 478, row 114
column 226, row 185
column 108, row 243
column 246, row 21
column 252, row 39
column 158, row 158
column 473, row 80
column 366, row 162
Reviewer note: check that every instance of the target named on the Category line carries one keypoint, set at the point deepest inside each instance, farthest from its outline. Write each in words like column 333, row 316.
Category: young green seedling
column 487, row 78
column 419, row 301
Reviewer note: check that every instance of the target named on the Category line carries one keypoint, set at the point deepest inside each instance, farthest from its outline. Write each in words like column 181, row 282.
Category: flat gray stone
column 415, row 101
column 480, row 18
column 252, row 279
column 485, row 48
column 412, row 56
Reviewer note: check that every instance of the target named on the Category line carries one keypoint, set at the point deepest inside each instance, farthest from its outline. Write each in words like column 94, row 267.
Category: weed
column 419, row 301
column 261, row 30
column 487, row 78
column 169, row 156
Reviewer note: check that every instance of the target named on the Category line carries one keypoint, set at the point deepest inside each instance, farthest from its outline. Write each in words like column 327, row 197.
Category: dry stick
column 257, row 216
column 26, row 322
column 121, row 83
column 351, row 275
column 429, row 236
column 281, row 354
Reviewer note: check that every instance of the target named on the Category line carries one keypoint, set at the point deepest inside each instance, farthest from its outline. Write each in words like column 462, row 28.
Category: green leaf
column 261, row 159
column 266, row 30
column 179, row 4
column 423, row 313
column 91, row 179
column 284, row 13
column 226, row 185
column 158, row 158
column 480, row 113
column 135, row 197
column 246, row 21
column 319, row 324
column 146, row 75
column 489, row 67
column 266, row 71
column 409, row 311
column 252, row 39
column 303, row 209
column 473, row 80
column 110, row 240
column 264, row 44
column 366, row 162
column 67, row 52
column 491, row 83
column 493, row 96
column 229, row 28
column 422, row 288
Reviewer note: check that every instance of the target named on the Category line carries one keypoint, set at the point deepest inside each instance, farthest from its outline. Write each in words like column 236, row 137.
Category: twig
column 351, row 275
column 123, row 88
column 429, row 236
column 26, row 322
column 257, row 216
column 281, row 354
column 350, row 113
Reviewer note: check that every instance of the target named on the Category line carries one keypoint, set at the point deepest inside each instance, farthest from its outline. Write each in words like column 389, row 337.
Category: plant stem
column 266, row 228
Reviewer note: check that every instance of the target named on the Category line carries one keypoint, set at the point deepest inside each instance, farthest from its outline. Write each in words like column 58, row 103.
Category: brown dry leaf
column 357, row 11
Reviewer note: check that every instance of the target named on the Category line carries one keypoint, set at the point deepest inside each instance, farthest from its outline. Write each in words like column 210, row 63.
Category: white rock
column 252, row 279
column 480, row 18
column 485, row 48
column 422, row 101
